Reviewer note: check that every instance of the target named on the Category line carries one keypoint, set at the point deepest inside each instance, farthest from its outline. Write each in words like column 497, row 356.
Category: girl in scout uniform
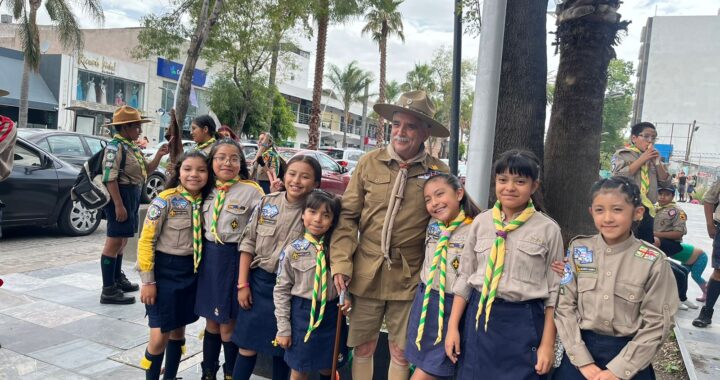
column 452, row 212
column 203, row 132
column 306, row 302
column 275, row 223
column 226, row 212
column 695, row 260
column 507, row 282
column 617, row 297
column 169, row 252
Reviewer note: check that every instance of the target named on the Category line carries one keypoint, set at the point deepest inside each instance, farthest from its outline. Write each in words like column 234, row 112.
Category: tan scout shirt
column 621, row 161
column 167, row 228
column 296, row 276
column 454, row 253
column 131, row 174
column 240, row 201
column 356, row 239
column 274, row 224
column 627, row 289
column 529, row 251
column 670, row 218
column 713, row 197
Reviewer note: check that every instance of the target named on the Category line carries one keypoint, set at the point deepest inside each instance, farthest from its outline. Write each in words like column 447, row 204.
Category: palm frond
column 66, row 24
column 17, row 7
column 28, row 37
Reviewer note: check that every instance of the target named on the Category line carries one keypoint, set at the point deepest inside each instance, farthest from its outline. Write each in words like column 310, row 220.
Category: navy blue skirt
column 431, row 357
column 508, row 350
column 176, row 285
column 217, row 282
column 603, row 349
column 256, row 328
column 315, row 354
column 130, row 195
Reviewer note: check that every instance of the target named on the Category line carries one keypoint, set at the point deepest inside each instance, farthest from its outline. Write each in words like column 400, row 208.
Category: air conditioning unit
column 6, row 19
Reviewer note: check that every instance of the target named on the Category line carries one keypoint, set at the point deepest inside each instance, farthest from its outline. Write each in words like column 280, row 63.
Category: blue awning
column 40, row 97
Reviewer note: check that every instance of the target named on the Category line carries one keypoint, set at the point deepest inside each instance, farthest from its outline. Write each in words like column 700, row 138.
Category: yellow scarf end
column 217, row 237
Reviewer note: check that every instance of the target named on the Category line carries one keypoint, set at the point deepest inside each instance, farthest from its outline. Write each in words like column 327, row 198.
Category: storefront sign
column 98, row 64
column 170, row 69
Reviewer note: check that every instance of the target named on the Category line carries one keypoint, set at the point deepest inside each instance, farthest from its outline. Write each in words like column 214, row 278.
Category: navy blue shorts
column 431, row 357
column 217, row 282
column 716, row 248
column 176, row 285
column 130, row 195
column 315, row 354
column 670, row 247
column 256, row 328
column 508, row 349
column 603, row 349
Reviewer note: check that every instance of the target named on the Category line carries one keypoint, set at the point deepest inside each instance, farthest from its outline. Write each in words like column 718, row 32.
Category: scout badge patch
column 433, row 230
column 567, row 274
column 582, row 255
column 646, row 253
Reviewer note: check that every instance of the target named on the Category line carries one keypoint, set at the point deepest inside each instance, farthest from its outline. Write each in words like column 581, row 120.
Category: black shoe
column 705, row 318
column 114, row 296
column 124, row 284
column 227, row 372
column 209, row 371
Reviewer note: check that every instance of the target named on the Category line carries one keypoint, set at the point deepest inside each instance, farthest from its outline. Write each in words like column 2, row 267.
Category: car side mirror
column 343, row 170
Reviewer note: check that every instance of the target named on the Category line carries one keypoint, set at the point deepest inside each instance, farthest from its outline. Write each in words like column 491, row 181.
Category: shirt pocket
column 265, row 243
column 304, row 268
column 529, row 264
column 235, row 219
column 585, row 287
column 377, row 187
column 179, row 232
column 482, row 252
column 627, row 303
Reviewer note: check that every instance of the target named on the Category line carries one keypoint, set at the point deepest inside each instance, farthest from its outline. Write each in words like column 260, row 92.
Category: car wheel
column 76, row 220
column 154, row 185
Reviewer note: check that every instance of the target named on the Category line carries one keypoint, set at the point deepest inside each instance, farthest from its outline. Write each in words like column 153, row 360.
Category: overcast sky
column 428, row 26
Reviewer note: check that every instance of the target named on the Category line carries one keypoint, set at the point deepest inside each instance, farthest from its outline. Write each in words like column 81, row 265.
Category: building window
column 198, row 102
column 105, row 89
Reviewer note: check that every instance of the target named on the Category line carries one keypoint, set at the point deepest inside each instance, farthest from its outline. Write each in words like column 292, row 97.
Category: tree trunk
column 24, row 92
column 204, row 26
column 314, row 132
column 572, row 154
column 28, row 65
column 380, row 129
column 273, row 76
column 345, row 130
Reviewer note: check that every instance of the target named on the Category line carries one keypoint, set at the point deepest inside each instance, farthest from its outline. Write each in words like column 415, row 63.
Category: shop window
column 198, row 102
column 105, row 89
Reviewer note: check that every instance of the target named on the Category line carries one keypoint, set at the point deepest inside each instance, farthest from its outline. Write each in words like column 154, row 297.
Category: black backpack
column 89, row 188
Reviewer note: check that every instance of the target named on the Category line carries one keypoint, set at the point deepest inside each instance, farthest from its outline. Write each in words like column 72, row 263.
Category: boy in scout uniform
column 378, row 245
column 712, row 219
column 124, row 185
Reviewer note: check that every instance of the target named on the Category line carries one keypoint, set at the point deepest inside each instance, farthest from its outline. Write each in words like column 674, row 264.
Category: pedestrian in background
column 268, row 165
column 227, row 133
column 203, row 132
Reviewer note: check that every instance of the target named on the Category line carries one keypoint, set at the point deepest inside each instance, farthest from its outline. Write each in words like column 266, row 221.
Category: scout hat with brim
column 3, row 92
column 126, row 115
column 416, row 103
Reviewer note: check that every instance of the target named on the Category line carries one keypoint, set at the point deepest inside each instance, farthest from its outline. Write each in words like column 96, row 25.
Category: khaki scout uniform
column 240, row 201
column 530, row 251
column 670, row 218
column 296, row 277
column 381, row 290
column 167, row 228
column 456, row 245
column 621, row 161
column 713, row 197
column 275, row 223
column 623, row 290
column 131, row 174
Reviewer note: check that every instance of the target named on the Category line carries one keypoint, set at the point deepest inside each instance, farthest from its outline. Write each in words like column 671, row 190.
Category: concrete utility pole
column 364, row 116
column 455, row 113
column 691, row 132
column 487, row 87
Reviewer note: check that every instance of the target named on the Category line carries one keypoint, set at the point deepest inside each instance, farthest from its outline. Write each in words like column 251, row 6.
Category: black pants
column 644, row 230
column 681, row 279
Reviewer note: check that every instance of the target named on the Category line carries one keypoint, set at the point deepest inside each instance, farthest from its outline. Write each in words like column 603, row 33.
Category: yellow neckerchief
column 205, row 144
column 319, row 284
column 135, row 151
column 222, row 187
column 272, row 159
column 196, row 203
column 644, row 182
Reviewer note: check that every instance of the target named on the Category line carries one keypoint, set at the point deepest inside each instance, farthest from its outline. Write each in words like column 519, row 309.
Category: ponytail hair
column 207, row 122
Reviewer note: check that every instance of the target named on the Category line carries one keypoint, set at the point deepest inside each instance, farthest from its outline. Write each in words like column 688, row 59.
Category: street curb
column 687, row 359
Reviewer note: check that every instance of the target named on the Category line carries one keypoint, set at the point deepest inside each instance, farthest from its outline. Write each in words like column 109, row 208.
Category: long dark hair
column 624, row 185
column 525, row 164
column 317, row 200
column 207, row 122
column 244, row 173
column 470, row 207
column 310, row 160
column 174, row 180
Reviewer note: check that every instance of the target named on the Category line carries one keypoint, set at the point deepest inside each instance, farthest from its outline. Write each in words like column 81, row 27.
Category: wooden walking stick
column 173, row 135
column 336, row 350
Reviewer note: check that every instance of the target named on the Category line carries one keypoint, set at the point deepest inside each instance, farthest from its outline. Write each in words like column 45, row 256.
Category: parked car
column 150, row 152
column 71, row 147
column 347, row 157
column 37, row 192
column 335, row 178
column 250, row 151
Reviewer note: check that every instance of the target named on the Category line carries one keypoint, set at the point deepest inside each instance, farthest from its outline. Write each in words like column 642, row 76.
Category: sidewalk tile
column 11, row 299
column 61, row 293
column 45, row 313
column 108, row 331
column 16, row 366
column 125, row 372
column 76, row 355
column 25, row 337
column 20, row 283
column 81, row 280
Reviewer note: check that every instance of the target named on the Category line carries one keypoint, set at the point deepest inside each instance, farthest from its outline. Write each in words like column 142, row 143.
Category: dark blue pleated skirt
column 508, row 349
column 217, row 279
column 431, row 357
column 256, row 328
column 315, row 354
column 603, row 349
column 176, row 285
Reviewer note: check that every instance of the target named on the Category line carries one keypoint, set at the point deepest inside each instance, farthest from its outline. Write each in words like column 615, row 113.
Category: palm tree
column 572, row 151
column 349, row 84
column 420, row 78
column 392, row 90
column 69, row 33
column 324, row 12
column 383, row 20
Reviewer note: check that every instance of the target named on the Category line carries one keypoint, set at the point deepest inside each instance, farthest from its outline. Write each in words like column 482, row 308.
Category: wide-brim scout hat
column 127, row 115
column 416, row 103
column 3, row 92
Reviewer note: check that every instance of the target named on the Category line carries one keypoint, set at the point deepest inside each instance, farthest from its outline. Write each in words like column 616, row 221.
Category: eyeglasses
column 234, row 160
column 648, row 138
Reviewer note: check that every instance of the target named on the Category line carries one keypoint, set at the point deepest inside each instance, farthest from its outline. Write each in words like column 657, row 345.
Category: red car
column 335, row 178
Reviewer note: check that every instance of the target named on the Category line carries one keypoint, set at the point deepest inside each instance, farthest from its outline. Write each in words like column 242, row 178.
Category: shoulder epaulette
column 253, row 184
column 165, row 194
column 580, row 237
column 273, row 195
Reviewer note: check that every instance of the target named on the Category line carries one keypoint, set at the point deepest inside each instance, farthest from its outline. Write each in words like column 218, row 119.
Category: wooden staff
column 336, row 350
column 173, row 135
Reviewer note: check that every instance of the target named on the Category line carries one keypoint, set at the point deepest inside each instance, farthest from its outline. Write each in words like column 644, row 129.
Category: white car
column 347, row 157
column 150, row 152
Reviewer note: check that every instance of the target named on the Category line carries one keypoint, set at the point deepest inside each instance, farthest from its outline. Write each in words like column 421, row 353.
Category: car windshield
column 336, row 154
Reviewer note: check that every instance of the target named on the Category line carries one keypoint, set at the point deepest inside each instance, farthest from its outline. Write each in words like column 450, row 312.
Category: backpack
column 89, row 188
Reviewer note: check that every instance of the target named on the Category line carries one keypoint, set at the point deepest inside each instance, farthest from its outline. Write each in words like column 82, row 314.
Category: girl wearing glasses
column 226, row 212
column 640, row 161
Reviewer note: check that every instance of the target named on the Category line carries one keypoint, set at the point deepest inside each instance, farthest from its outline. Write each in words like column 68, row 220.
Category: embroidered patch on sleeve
column 567, row 274
column 583, row 255
column 646, row 253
